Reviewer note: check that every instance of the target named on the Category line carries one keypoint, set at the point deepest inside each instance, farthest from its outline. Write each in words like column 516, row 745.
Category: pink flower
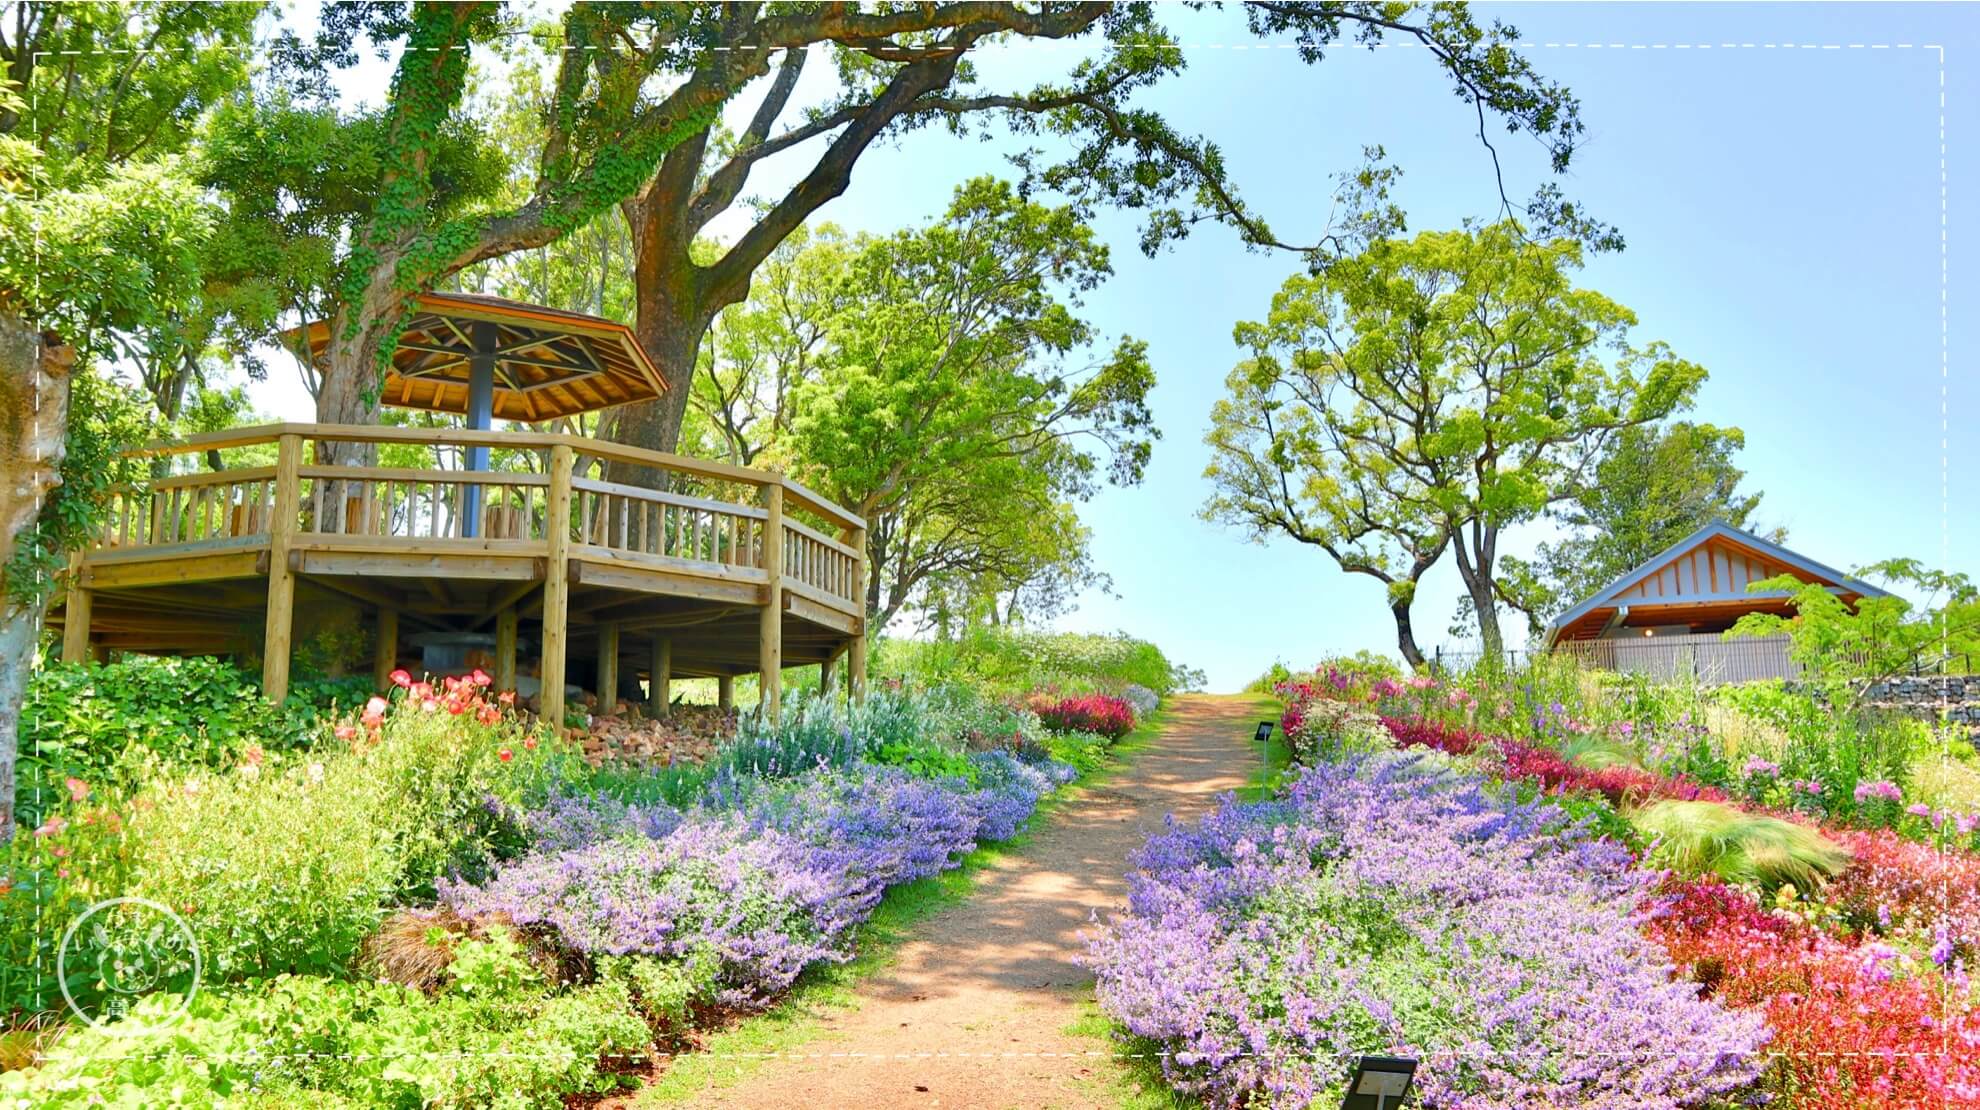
column 252, row 756
column 346, row 732
column 402, row 679
column 78, row 789
column 480, row 677
column 50, row 827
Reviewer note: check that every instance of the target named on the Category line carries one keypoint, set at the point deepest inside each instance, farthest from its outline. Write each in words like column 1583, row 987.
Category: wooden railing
column 713, row 514
column 634, row 520
column 191, row 509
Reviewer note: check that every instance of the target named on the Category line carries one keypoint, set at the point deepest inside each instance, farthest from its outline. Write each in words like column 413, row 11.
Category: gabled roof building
column 1686, row 596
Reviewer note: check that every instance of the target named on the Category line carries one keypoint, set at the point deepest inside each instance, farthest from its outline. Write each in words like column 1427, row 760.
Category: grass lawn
column 1277, row 758
column 729, row 1055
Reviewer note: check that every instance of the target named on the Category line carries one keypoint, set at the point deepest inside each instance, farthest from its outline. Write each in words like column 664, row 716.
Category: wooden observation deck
column 726, row 571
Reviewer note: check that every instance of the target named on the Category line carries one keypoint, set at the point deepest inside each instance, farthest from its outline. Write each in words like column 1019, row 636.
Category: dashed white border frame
column 1338, row 50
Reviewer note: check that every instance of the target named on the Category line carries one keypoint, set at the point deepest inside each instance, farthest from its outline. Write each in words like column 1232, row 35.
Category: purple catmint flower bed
column 763, row 876
column 1380, row 907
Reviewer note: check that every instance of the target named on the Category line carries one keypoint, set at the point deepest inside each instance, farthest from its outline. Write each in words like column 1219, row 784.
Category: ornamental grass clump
column 1378, row 908
column 1712, row 838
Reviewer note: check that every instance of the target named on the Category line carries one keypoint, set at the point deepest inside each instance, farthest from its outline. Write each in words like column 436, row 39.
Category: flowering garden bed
column 1551, row 908
column 435, row 903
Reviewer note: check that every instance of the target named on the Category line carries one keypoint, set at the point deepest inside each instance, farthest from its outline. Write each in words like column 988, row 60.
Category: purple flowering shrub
column 1380, row 908
column 745, row 902
column 763, row 877
column 574, row 821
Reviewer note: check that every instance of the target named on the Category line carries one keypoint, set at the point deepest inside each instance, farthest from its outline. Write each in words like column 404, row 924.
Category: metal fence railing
column 1708, row 658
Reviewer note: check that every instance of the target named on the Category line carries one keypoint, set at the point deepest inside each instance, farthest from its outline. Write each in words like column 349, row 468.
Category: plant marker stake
column 1377, row 1080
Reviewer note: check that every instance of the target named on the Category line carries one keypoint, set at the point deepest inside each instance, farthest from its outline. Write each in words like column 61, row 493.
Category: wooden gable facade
column 1699, row 585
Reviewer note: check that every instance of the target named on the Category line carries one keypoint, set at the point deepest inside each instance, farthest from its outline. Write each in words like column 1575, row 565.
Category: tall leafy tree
column 104, row 84
column 1119, row 154
column 965, row 405
column 1279, row 468
column 1454, row 381
column 1653, row 486
column 100, row 236
column 80, row 266
column 633, row 120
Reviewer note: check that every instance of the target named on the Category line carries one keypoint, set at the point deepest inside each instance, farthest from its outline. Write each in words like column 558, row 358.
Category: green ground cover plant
column 1011, row 662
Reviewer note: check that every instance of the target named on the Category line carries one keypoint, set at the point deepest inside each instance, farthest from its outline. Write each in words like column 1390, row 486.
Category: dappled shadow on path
column 973, row 1010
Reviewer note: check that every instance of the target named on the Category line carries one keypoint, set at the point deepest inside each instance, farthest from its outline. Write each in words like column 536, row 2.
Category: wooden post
column 825, row 677
column 608, row 668
column 659, row 691
column 856, row 651
column 75, row 614
column 281, row 580
column 770, row 629
column 385, row 656
column 556, row 586
column 725, row 691
column 505, row 649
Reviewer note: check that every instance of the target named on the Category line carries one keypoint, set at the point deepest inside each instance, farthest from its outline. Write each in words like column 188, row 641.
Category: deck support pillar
column 275, row 641
column 608, row 668
column 725, row 691
column 770, row 631
column 856, row 650
column 385, row 654
column 827, row 674
column 556, row 587
column 659, row 689
column 505, row 649
column 76, row 615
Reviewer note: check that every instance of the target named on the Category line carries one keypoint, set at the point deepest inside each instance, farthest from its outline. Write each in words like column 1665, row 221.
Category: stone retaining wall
column 1925, row 696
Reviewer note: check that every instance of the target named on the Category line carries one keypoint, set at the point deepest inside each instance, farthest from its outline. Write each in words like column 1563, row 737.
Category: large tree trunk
column 671, row 342
column 34, row 404
column 352, row 380
column 1475, row 567
column 1406, row 631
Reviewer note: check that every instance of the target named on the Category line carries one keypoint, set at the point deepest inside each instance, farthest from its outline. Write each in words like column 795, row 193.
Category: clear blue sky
column 1782, row 208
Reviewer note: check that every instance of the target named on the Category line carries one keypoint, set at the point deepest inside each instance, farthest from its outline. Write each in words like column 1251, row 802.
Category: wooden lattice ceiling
column 548, row 363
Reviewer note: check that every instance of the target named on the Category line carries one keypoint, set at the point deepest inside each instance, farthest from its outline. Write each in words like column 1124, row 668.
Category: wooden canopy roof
column 547, row 362
column 1701, row 579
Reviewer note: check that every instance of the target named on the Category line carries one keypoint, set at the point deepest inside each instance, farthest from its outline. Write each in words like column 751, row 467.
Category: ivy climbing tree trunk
column 34, row 407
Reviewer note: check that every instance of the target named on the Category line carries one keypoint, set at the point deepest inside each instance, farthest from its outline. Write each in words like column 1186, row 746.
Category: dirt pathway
column 973, row 1011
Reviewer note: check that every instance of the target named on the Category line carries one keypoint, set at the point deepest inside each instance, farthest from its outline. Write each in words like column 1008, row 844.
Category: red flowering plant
column 1100, row 714
column 1547, row 768
column 1854, row 1025
column 1924, row 897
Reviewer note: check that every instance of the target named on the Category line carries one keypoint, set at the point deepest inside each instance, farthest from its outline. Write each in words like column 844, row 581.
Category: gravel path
column 973, row 1010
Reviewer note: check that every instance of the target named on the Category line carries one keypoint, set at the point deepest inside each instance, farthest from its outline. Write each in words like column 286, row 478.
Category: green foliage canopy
column 1449, row 385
